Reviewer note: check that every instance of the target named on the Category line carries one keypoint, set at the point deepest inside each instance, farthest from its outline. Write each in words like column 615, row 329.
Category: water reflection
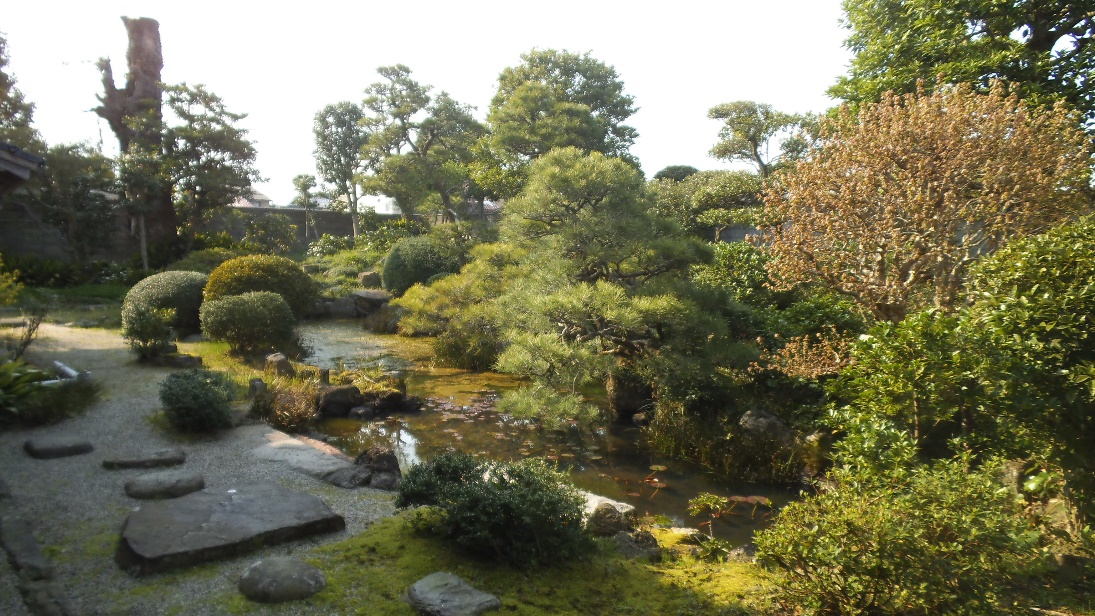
column 611, row 460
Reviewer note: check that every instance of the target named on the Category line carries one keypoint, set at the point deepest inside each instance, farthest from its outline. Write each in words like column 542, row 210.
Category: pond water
column 611, row 460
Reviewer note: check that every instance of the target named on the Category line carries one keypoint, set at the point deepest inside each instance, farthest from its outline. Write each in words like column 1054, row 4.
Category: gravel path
column 77, row 508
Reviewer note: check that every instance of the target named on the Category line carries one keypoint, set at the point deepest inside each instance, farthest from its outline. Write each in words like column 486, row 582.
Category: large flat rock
column 57, row 446
column 214, row 524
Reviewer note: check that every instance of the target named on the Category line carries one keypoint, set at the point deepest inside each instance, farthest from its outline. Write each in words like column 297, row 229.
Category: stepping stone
column 57, row 446
column 280, row 579
column 164, row 484
column 24, row 554
column 214, row 524
column 148, row 459
column 444, row 594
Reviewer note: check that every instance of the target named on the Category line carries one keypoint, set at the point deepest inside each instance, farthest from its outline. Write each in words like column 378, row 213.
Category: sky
column 282, row 65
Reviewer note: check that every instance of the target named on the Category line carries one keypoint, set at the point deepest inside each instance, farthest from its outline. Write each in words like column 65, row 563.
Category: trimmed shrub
column 415, row 260
column 263, row 273
column 197, row 400
column 175, row 290
column 251, row 322
column 522, row 514
column 146, row 330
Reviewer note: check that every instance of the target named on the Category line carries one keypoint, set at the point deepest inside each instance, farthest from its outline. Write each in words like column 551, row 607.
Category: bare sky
column 281, row 62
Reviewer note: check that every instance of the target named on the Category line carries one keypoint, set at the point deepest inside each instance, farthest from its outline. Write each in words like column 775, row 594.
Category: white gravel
column 77, row 508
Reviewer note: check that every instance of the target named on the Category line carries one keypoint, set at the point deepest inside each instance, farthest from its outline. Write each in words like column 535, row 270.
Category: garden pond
column 611, row 460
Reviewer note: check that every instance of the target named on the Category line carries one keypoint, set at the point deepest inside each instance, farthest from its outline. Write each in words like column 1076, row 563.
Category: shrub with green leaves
column 256, row 321
column 272, row 234
column 415, row 260
column 197, row 400
column 523, row 514
column 941, row 540
column 263, row 273
column 19, row 382
column 147, row 330
column 175, row 290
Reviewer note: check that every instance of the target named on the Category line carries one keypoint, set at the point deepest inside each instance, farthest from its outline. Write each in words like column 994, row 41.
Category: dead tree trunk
column 135, row 115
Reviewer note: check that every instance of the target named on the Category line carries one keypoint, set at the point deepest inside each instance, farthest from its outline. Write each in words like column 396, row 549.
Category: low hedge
column 251, row 322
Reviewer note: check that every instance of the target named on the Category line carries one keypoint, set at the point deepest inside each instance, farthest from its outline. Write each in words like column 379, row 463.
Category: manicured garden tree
column 415, row 260
column 912, row 190
column 159, row 304
column 264, row 273
column 251, row 322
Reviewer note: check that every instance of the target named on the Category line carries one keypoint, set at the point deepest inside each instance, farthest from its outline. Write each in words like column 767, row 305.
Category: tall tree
column 76, row 195
column 135, row 116
column 208, row 159
column 748, row 131
column 340, row 139
column 1043, row 48
column 913, row 189
column 16, row 113
column 553, row 99
column 422, row 144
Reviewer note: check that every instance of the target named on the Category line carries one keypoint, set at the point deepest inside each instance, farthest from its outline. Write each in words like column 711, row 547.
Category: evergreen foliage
column 263, row 273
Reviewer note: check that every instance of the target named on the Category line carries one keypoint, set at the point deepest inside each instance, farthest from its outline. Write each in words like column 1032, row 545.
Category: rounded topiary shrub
column 413, row 260
column 263, row 273
column 522, row 514
column 176, row 290
column 251, row 322
column 197, row 400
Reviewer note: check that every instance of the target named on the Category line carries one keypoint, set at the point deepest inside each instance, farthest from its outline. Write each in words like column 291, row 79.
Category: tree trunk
column 627, row 395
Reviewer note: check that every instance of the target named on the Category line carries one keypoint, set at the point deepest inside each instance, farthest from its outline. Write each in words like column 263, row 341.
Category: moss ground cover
column 369, row 573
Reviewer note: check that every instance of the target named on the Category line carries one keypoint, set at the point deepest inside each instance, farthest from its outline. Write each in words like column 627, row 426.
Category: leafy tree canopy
column 748, row 131
column 340, row 137
column 76, row 193
column 909, row 193
column 16, row 113
column 1042, row 47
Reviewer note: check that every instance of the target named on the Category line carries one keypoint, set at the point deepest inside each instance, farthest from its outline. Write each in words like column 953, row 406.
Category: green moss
column 369, row 574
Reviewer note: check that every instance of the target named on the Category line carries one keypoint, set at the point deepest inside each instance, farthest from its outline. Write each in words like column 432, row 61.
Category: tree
column 747, row 133
column 916, row 187
column 135, row 115
column 676, row 173
column 208, row 159
column 304, row 184
column 340, row 138
column 76, row 195
column 708, row 200
column 16, row 114
column 1042, row 47
column 554, row 99
column 422, row 144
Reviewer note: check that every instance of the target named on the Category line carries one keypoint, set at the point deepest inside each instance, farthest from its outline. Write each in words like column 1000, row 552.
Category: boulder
column 444, row 594
column 364, row 413
column 370, row 300
column 164, row 484
column 337, row 401
column 380, row 459
column 386, row 400
column 594, row 501
column 369, row 280
column 57, row 446
column 743, row 553
column 606, row 520
column 350, row 477
column 214, row 524
column 172, row 456
column 255, row 387
column 280, row 579
column 342, row 308
column 278, row 365
column 638, row 544
column 385, row 481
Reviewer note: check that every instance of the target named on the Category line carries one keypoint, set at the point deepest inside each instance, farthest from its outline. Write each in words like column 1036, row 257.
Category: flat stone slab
column 153, row 458
column 57, row 446
column 280, row 579
column 214, row 524
column 444, row 594
column 164, row 484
